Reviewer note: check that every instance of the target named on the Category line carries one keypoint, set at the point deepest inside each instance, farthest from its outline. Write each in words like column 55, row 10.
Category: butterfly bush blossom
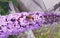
column 14, row 24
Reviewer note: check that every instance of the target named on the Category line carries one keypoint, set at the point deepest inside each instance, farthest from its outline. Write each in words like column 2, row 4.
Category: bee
column 31, row 18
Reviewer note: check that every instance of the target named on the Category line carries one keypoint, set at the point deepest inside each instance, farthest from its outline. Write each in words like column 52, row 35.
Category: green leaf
column 3, row 0
column 4, row 6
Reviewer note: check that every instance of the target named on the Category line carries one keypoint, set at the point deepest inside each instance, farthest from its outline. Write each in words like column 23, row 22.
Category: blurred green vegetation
column 3, row 0
column 4, row 6
column 48, row 32
column 15, row 2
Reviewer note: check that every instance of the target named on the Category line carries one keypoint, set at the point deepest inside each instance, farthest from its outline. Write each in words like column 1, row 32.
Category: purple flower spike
column 51, row 18
column 14, row 24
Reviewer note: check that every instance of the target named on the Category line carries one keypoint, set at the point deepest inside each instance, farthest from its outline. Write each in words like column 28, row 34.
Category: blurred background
column 47, row 31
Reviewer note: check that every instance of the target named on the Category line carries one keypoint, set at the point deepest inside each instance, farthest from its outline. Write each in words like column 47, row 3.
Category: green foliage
column 42, row 34
column 4, row 7
column 15, row 2
column 3, row 0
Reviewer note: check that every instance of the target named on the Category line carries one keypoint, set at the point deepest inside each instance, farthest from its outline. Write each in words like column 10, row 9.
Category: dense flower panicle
column 51, row 18
column 16, row 23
